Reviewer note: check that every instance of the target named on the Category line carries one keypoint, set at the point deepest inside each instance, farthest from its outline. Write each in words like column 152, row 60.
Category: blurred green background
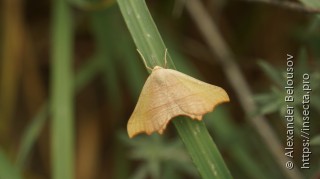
column 70, row 76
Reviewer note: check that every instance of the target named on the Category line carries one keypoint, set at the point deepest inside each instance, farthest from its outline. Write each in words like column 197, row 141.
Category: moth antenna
column 144, row 60
column 165, row 58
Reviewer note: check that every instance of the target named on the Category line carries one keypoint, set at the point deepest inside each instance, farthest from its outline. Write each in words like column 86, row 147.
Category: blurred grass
column 62, row 93
column 10, row 70
column 31, row 134
column 102, row 30
column 86, row 74
column 106, row 23
column 117, row 66
column 8, row 169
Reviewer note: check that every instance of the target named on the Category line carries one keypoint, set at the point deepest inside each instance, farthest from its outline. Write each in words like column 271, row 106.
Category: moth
column 169, row 93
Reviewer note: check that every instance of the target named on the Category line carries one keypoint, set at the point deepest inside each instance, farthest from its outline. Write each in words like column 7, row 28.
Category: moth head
column 157, row 68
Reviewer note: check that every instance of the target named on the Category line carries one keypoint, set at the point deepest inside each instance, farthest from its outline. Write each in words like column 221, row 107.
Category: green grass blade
column 62, row 93
column 85, row 75
column 194, row 134
column 7, row 169
column 144, row 32
column 202, row 149
column 31, row 134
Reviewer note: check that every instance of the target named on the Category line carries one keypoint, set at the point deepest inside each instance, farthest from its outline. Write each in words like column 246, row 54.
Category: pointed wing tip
column 132, row 132
column 225, row 96
column 131, row 135
column 223, row 99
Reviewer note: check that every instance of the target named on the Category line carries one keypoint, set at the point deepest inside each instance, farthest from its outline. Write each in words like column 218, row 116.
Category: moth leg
column 165, row 58
column 144, row 60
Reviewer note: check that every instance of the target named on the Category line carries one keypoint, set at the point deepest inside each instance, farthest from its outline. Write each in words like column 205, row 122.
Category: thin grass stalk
column 62, row 93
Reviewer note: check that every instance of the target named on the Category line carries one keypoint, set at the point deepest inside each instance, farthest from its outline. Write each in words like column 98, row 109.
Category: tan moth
column 168, row 93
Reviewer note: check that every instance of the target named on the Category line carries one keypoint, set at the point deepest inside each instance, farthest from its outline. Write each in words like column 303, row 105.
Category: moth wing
column 150, row 112
column 168, row 93
column 193, row 97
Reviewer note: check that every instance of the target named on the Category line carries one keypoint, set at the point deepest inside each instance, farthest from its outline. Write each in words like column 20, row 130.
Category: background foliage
column 77, row 57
